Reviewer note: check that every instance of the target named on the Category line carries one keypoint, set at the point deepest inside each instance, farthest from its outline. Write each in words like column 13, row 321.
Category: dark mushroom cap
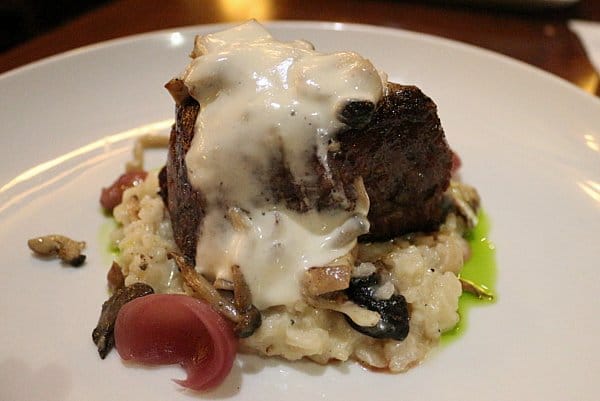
column 395, row 316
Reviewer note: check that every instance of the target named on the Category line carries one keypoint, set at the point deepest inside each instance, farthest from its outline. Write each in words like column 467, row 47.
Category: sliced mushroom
column 242, row 299
column 103, row 334
column 466, row 201
column 241, row 312
column 360, row 316
column 321, row 280
column 221, row 284
column 148, row 141
column 203, row 289
column 65, row 248
column 115, row 277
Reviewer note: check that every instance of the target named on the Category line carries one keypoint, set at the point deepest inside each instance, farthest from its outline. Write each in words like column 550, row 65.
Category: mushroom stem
column 178, row 90
column 241, row 311
column 148, row 141
column 204, row 290
column 479, row 291
column 242, row 299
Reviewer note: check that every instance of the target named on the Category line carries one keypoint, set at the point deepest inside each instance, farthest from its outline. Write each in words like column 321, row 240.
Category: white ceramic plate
column 529, row 142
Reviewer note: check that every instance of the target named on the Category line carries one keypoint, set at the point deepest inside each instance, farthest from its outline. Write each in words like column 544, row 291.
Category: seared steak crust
column 185, row 203
column 401, row 155
column 404, row 160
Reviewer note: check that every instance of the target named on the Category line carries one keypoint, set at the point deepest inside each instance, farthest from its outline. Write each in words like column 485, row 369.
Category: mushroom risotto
column 421, row 267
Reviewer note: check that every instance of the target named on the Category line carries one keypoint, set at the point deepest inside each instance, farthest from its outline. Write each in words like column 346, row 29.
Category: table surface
column 539, row 37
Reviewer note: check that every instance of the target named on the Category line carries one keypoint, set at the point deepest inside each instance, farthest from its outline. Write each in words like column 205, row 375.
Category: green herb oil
column 109, row 249
column 481, row 270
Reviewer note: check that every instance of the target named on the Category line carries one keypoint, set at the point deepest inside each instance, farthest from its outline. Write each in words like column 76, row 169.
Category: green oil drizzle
column 480, row 269
column 109, row 250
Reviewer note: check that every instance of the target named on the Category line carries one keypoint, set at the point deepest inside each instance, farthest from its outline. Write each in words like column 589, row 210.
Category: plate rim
column 314, row 25
column 396, row 33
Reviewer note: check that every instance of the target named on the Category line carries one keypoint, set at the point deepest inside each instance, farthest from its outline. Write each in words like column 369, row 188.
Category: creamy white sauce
column 262, row 99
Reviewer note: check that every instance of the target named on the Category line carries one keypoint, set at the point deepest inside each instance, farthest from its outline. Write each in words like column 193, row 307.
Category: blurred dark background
column 21, row 20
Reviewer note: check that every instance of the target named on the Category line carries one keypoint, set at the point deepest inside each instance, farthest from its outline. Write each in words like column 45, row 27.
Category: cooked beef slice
column 399, row 150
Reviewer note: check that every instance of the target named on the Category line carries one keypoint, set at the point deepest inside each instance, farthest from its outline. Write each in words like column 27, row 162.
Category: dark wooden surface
column 539, row 37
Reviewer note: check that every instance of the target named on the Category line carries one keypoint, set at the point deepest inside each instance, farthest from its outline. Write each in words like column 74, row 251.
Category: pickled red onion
column 163, row 329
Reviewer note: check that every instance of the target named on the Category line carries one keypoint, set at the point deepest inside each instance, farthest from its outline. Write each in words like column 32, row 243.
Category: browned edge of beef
column 404, row 160
column 185, row 203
